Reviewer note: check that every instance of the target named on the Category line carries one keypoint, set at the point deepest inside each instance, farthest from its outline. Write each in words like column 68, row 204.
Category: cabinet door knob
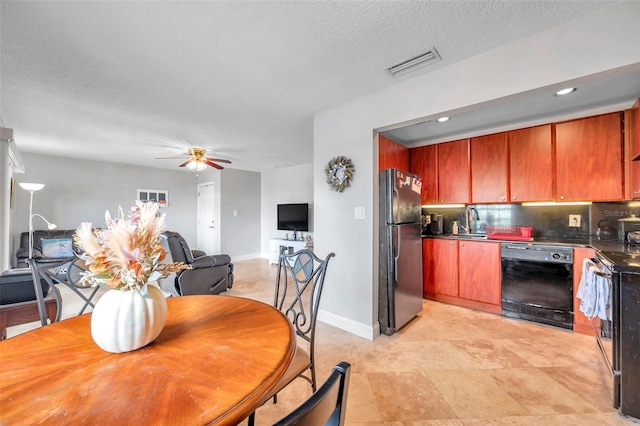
column 502, row 198
column 514, row 198
column 562, row 197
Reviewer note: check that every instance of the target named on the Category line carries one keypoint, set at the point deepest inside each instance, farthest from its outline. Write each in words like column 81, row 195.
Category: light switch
column 358, row 212
column 235, row 212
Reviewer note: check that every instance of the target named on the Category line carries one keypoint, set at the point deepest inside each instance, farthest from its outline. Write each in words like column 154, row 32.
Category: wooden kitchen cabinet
column 424, row 163
column 489, row 166
column 589, row 161
column 632, row 131
column 453, row 172
column 581, row 324
column 479, row 272
column 530, row 164
column 462, row 272
column 440, row 267
column 392, row 155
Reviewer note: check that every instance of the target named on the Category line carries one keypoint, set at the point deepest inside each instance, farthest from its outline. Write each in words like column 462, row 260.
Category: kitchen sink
column 469, row 236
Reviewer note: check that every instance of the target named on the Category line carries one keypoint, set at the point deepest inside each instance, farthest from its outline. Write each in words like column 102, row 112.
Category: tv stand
column 292, row 246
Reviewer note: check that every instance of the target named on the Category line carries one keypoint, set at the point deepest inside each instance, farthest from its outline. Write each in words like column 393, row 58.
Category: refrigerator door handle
column 396, row 255
column 394, row 204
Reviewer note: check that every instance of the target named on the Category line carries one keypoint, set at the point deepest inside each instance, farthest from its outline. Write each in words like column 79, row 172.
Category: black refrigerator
column 400, row 249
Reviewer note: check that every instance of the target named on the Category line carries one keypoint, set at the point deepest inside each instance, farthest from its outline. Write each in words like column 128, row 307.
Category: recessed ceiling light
column 565, row 91
column 443, row 119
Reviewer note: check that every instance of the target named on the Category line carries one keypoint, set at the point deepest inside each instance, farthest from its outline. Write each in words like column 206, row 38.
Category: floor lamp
column 32, row 188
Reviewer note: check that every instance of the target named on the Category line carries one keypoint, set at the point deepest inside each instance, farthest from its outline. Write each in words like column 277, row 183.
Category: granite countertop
column 623, row 256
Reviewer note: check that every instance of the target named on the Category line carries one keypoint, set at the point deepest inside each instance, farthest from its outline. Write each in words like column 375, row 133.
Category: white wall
column 560, row 54
column 288, row 185
column 81, row 191
column 240, row 214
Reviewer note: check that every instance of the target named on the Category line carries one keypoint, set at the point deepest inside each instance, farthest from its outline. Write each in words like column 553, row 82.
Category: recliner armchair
column 208, row 274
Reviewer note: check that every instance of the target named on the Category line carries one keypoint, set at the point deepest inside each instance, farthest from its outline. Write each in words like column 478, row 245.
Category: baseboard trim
column 362, row 330
column 246, row 257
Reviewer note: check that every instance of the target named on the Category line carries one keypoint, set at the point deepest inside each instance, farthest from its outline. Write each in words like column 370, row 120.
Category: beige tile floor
column 450, row 366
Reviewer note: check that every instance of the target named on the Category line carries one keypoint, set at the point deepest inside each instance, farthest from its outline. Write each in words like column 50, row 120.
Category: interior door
column 208, row 229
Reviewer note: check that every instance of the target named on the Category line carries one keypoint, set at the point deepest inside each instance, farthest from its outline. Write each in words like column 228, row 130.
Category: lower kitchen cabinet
column 479, row 271
column 440, row 264
column 465, row 273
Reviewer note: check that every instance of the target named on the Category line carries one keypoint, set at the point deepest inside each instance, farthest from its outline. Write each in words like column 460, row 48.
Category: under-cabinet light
column 442, row 119
column 442, row 206
column 553, row 203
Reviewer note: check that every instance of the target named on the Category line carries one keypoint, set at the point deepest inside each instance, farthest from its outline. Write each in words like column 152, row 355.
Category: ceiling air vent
column 414, row 63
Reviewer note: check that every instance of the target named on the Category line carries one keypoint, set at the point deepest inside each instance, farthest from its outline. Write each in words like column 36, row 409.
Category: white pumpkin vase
column 125, row 320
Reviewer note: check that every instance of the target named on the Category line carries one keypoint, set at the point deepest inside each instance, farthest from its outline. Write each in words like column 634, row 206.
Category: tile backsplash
column 597, row 219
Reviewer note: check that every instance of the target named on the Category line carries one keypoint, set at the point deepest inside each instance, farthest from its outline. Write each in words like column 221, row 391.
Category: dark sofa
column 22, row 254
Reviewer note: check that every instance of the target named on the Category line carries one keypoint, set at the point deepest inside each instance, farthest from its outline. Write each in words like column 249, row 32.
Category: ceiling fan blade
column 209, row 163
column 185, row 163
column 219, row 160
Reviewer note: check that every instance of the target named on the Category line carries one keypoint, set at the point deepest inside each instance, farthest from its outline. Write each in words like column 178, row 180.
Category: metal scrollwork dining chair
column 327, row 406
column 66, row 271
column 299, row 281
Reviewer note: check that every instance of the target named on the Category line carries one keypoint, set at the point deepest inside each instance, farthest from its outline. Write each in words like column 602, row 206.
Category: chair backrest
column 180, row 251
column 299, row 282
column 61, row 271
column 327, row 405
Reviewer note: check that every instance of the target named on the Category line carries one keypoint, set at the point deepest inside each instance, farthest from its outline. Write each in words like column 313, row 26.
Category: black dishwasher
column 537, row 283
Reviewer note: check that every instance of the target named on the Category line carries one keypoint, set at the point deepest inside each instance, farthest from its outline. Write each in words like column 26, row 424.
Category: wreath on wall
column 339, row 173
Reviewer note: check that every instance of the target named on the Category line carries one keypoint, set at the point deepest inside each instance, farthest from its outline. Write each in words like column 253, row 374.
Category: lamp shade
column 31, row 186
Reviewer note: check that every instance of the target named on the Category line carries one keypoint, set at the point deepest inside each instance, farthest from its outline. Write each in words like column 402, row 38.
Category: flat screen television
column 293, row 217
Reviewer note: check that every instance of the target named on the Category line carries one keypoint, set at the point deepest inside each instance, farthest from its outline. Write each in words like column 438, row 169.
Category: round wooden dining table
column 214, row 361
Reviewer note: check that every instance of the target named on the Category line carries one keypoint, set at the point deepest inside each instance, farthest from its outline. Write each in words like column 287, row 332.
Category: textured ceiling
column 129, row 81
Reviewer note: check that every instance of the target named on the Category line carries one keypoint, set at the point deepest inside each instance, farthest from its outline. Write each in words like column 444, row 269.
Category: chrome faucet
column 470, row 214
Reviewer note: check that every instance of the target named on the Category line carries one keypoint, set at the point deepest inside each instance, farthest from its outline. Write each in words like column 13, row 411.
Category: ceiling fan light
column 196, row 166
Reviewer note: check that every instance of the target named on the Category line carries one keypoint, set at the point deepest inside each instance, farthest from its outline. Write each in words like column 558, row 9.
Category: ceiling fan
column 197, row 160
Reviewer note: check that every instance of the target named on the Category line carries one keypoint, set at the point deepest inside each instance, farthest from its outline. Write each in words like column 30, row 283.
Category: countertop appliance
column 537, row 283
column 626, row 226
column 400, row 249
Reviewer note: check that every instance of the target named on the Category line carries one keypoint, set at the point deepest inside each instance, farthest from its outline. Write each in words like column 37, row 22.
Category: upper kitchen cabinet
column 589, row 162
column 424, row 163
column 632, row 132
column 392, row 155
column 531, row 167
column 489, row 166
column 453, row 172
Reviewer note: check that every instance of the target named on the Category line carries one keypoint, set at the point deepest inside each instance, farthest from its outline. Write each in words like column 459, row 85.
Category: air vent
column 408, row 65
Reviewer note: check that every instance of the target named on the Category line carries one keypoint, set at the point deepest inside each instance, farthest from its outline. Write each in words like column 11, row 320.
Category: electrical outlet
column 574, row 221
